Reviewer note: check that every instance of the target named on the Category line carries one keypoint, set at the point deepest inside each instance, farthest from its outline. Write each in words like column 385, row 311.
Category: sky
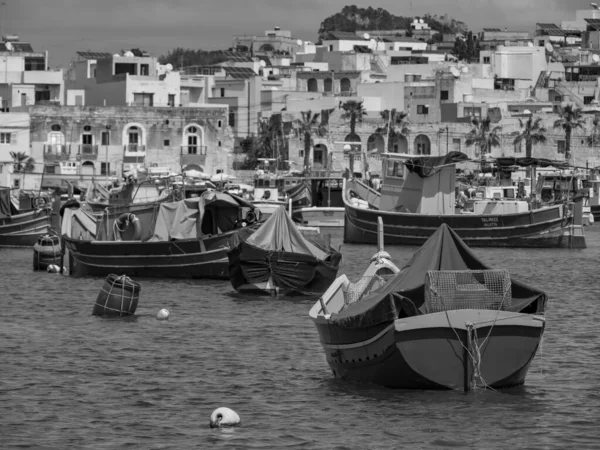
column 63, row 27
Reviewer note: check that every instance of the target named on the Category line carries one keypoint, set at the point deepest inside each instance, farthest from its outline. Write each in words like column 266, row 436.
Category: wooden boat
column 22, row 228
column 324, row 206
column 415, row 202
column 445, row 321
column 278, row 259
column 147, row 193
column 185, row 239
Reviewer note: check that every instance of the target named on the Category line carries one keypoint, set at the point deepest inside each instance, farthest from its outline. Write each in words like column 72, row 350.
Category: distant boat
column 443, row 321
column 185, row 239
column 98, row 197
column 278, row 259
column 317, row 202
column 22, row 228
column 415, row 202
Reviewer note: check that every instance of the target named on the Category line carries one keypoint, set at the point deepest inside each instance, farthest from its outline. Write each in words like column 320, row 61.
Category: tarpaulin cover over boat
column 425, row 166
column 280, row 234
column 212, row 213
column 405, row 291
column 527, row 162
column 278, row 256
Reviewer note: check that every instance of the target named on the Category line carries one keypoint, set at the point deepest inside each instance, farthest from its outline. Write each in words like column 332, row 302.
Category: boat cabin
column 553, row 187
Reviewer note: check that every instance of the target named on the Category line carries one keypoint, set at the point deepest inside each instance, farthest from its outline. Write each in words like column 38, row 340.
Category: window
column 486, row 59
column 192, row 130
column 474, row 111
column 55, row 127
column 86, row 139
column 231, row 119
column 50, row 169
column 561, row 145
column 456, row 144
column 222, row 92
column 5, row 138
column 219, row 143
column 16, row 184
column 166, row 143
column 219, row 123
column 588, row 99
column 105, row 137
column 87, row 128
column 541, row 43
column 395, row 169
column 172, row 100
column 444, row 95
column 104, row 168
column 301, row 153
column 143, row 99
column 422, row 109
column 192, row 141
column 144, row 69
column 518, row 148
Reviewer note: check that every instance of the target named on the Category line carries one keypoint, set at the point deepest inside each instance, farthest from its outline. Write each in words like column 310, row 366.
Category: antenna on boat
column 379, row 234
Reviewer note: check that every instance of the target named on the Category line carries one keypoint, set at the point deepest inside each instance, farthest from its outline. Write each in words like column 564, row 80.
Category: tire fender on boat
column 123, row 222
column 224, row 417
column 39, row 202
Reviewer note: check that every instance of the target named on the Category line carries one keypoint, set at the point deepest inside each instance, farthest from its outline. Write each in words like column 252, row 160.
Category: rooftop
column 94, row 55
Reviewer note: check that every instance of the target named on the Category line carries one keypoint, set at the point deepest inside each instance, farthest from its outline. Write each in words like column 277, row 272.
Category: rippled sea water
column 72, row 380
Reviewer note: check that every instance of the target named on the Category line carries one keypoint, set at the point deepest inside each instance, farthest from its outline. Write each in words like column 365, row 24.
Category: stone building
column 83, row 142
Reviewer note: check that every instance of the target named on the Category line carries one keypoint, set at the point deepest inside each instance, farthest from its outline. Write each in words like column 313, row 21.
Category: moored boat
column 278, row 259
column 22, row 228
column 323, row 205
column 185, row 239
column 444, row 321
column 414, row 203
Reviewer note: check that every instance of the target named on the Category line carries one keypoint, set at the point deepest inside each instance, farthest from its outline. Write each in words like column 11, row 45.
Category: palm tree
column 532, row 134
column 395, row 124
column 594, row 138
column 570, row 118
column 22, row 162
column 307, row 126
column 483, row 135
column 354, row 112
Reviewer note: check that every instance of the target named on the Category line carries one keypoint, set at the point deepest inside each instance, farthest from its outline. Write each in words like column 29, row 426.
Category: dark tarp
column 5, row 202
column 279, row 233
column 527, row 162
column 405, row 292
column 425, row 166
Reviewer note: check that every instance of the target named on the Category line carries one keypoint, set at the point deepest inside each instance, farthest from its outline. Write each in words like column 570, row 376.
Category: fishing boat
column 278, row 259
column 184, row 239
column 443, row 321
column 317, row 201
column 22, row 227
column 418, row 195
column 98, row 197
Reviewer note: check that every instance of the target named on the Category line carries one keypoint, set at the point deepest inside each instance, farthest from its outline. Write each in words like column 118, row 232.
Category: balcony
column 187, row 159
column 56, row 152
column 193, row 150
column 135, row 148
column 88, row 151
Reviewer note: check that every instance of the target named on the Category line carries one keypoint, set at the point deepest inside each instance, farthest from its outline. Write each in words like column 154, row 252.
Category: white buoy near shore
column 53, row 268
column 224, row 417
column 163, row 314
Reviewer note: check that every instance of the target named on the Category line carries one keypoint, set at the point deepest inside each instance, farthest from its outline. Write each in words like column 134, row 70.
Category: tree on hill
column 352, row 19
column 569, row 118
column 187, row 57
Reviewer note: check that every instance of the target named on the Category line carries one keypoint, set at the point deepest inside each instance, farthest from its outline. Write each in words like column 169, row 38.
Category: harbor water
column 72, row 380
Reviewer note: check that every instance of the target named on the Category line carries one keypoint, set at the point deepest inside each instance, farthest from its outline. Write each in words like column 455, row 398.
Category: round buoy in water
column 53, row 268
column 163, row 314
column 224, row 417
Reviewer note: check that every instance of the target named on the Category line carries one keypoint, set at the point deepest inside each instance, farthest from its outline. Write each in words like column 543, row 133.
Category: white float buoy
column 224, row 417
column 163, row 314
column 53, row 268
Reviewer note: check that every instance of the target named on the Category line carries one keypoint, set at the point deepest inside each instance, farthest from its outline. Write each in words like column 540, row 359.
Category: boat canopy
column 405, row 291
column 279, row 233
column 425, row 166
column 213, row 212
column 527, row 162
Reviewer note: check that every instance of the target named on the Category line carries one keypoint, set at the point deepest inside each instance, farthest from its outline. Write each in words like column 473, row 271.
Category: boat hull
column 434, row 351
column 187, row 258
column 255, row 270
column 23, row 230
column 320, row 216
column 544, row 228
